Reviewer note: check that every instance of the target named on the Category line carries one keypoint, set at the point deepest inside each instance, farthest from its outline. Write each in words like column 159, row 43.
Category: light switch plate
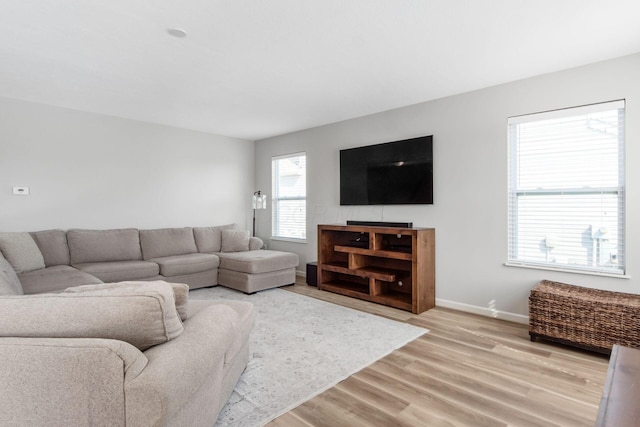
column 20, row 191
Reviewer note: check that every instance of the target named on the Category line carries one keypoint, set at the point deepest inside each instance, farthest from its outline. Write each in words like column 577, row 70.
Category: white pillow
column 235, row 240
column 21, row 251
column 143, row 317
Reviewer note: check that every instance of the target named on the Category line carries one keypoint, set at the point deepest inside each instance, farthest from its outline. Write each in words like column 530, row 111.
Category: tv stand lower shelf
column 385, row 265
column 392, row 299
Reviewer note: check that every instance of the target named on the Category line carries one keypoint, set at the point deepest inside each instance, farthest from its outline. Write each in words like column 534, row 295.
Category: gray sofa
column 52, row 260
column 76, row 351
column 118, row 354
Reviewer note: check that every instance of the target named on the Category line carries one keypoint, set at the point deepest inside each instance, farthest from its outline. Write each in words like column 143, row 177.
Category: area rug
column 300, row 347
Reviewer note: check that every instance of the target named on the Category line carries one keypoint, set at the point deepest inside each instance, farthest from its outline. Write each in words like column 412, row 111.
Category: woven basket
column 588, row 318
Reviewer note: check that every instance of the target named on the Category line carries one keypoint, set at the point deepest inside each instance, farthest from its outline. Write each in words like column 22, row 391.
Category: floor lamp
column 259, row 202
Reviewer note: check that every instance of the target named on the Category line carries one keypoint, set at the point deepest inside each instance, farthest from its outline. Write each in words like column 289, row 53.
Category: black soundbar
column 382, row 224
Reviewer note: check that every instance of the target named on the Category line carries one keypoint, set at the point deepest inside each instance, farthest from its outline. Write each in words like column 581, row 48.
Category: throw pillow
column 21, row 251
column 208, row 239
column 180, row 292
column 255, row 243
column 53, row 245
column 9, row 282
column 235, row 240
column 143, row 316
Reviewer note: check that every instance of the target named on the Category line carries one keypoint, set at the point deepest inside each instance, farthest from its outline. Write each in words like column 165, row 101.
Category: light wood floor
column 467, row 371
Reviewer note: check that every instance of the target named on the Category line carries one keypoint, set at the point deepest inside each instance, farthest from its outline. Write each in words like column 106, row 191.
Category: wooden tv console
column 387, row 265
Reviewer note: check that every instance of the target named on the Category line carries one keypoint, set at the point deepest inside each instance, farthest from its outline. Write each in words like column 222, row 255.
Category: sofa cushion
column 9, row 282
column 209, row 239
column 117, row 271
column 104, row 245
column 54, row 247
column 52, row 279
column 253, row 262
column 255, row 243
column 235, row 241
column 21, row 251
column 180, row 292
column 167, row 242
column 181, row 296
column 186, row 264
column 143, row 317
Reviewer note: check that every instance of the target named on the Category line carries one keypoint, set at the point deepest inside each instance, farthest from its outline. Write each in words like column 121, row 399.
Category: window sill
column 568, row 270
column 288, row 239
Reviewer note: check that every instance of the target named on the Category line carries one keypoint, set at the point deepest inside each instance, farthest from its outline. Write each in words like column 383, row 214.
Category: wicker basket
column 587, row 318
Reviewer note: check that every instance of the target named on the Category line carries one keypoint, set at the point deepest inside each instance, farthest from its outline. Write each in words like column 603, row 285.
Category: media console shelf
column 387, row 265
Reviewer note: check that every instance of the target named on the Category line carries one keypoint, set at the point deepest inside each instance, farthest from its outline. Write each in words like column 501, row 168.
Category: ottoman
column 253, row 271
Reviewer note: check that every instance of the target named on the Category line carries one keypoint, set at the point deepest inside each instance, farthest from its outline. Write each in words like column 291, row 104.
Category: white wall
column 470, row 191
column 93, row 171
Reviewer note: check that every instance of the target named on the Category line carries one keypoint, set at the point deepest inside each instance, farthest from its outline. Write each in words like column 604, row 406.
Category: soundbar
column 382, row 224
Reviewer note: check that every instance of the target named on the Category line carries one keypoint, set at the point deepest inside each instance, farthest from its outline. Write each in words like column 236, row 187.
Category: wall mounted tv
column 393, row 173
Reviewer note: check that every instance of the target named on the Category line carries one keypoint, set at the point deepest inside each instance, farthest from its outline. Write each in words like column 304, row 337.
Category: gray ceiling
column 259, row 68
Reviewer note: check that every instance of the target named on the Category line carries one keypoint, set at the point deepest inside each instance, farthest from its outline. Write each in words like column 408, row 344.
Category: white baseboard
column 483, row 311
column 488, row 312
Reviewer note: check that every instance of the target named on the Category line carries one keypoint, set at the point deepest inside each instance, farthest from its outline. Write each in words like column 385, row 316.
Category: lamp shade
column 259, row 200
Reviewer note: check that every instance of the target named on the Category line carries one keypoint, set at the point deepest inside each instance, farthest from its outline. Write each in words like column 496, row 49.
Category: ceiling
column 258, row 68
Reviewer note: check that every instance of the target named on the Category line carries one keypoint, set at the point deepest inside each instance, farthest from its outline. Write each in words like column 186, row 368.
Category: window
column 289, row 188
column 566, row 189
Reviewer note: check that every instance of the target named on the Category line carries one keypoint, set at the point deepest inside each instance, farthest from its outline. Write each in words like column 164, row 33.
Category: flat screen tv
column 393, row 173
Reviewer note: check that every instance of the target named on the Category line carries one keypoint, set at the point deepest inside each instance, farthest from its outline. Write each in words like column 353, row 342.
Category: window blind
column 289, row 189
column 566, row 189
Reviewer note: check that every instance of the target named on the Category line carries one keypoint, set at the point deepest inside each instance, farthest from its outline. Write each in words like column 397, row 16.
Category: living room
column 94, row 168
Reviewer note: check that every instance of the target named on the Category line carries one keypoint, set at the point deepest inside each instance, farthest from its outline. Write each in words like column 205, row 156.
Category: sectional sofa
column 53, row 260
column 118, row 354
column 76, row 351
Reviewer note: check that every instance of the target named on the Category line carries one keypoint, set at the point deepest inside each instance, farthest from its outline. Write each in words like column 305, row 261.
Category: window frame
column 276, row 199
column 514, row 192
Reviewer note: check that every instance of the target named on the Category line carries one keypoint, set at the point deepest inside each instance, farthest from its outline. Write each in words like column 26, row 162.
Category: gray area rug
column 300, row 347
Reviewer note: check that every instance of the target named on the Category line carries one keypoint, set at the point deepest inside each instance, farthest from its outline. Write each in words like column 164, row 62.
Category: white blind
column 289, row 189
column 566, row 189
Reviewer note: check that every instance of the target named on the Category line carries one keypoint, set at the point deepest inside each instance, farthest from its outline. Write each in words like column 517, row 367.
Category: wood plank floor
column 467, row 371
